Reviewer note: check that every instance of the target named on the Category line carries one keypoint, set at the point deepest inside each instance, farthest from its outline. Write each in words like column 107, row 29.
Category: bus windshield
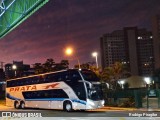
column 95, row 92
column 88, row 75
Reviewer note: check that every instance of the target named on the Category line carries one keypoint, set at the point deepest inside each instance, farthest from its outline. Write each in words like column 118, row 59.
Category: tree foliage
column 50, row 66
column 62, row 65
column 112, row 74
column 38, row 68
column 89, row 65
column 156, row 75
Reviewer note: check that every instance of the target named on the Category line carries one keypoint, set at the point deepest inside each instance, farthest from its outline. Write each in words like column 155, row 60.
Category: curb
column 131, row 109
column 119, row 108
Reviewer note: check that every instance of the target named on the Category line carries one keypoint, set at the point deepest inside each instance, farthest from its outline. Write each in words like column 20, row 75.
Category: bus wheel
column 16, row 105
column 67, row 106
column 22, row 105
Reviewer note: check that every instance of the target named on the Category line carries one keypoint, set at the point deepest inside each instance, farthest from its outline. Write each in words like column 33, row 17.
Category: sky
column 75, row 23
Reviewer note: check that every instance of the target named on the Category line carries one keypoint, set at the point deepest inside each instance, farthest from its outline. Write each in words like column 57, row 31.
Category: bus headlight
column 102, row 102
column 91, row 103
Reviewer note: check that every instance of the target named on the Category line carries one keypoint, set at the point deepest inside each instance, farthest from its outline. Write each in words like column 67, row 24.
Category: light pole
column 148, row 81
column 14, row 67
column 69, row 52
column 95, row 54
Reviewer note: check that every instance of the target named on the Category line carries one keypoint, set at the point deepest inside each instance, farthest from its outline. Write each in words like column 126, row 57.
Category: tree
column 156, row 78
column 82, row 66
column 38, row 68
column 91, row 66
column 64, row 64
column 112, row 74
column 48, row 65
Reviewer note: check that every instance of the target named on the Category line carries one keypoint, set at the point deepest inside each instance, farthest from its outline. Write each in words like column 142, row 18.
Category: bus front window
column 94, row 88
column 88, row 75
column 94, row 91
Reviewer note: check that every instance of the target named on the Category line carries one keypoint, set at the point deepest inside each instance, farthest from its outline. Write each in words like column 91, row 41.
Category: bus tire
column 22, row 105
column 67, row 106
column 16, row 104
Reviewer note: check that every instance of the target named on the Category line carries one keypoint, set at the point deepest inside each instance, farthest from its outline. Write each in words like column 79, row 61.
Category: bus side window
column 13, row 83
column 19, row 82
column 8, row 83
column 51, row 78
column 42, row 79
column 75, row 76
column 65, row 76
column 31, row 80
column 45, row 79
column 26, row 81
column 34, row 80
column 59, row 77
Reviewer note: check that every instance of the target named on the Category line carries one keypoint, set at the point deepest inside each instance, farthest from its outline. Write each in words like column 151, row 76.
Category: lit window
column 139, row 37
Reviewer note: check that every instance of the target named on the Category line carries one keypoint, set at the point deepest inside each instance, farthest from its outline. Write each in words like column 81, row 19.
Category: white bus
column 69, row 90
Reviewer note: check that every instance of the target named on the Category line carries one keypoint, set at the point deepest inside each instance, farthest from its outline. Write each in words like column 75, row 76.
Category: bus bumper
column 94, row 104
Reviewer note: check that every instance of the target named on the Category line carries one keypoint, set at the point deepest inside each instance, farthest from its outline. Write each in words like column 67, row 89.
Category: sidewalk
column 149, row 109
column 106, row 108
column 131, row 109
column 3, row 107
column 119, row 108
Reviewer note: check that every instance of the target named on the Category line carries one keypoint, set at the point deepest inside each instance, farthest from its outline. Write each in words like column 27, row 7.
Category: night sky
column 76, row 23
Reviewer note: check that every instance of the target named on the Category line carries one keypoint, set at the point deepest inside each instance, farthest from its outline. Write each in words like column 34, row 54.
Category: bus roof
column 41, row 74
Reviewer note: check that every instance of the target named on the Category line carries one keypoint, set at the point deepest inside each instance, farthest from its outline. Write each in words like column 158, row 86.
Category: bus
column 70, row 89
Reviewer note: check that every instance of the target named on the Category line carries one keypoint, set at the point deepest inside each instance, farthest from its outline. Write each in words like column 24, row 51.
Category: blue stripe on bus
column 56, row 99
column 11, row 97
column 46, row 99
column 79, row 101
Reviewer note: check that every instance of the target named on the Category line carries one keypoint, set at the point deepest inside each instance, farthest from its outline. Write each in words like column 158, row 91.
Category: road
column 59, row 113
column 99, row 114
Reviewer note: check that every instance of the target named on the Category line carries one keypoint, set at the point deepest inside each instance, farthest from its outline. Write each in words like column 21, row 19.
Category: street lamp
column 148, row 81
column 14, row 67
column 95, row 54
column 69, row 52
column 121, row 83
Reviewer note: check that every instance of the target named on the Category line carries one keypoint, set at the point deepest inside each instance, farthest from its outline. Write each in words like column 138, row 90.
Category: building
column 132, row 47
column 156, row 37
column 2, row 80
column 2, row 75
column 16, row 69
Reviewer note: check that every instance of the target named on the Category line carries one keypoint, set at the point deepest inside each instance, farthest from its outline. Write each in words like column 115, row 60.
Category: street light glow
column 147, row 80
column 14, row 67
column 94, row 54
column 69, row 51
column 122, row 82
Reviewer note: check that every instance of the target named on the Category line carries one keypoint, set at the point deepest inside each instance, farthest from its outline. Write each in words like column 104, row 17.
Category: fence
column 133, row 98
